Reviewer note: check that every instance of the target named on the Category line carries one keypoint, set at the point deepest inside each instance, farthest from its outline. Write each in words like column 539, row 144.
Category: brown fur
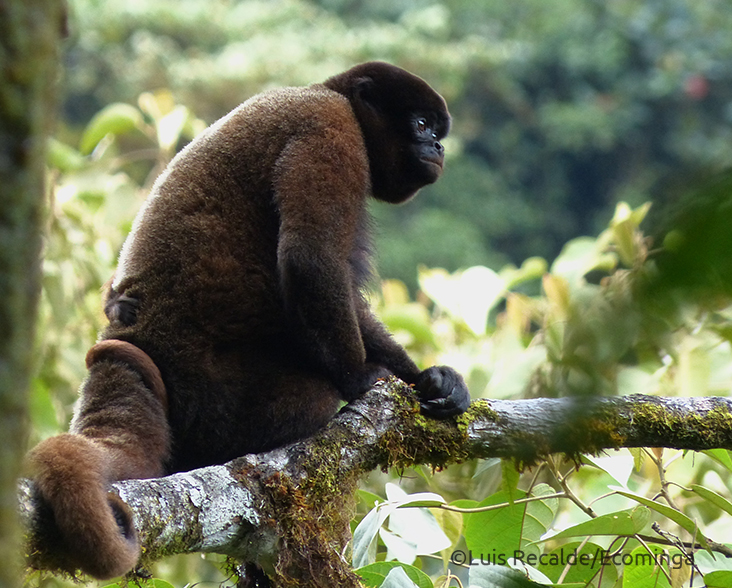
column 239, row 288
column 126, row 353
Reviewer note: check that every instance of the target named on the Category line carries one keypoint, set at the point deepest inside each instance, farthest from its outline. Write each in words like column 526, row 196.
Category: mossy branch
column 288, row 510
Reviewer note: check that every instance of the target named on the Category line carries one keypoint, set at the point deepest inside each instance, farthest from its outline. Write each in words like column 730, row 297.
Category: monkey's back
column 201, row 262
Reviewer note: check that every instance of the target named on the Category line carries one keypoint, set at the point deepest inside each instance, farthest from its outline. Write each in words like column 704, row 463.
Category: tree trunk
column 29, row 38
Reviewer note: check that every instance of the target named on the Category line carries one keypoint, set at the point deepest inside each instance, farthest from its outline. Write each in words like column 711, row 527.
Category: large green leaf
column 497, row 535
column 642, row 569
column 677, row 517
column 625, row 522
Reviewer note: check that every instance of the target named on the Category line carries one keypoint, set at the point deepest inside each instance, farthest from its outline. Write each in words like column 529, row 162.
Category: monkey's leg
column 120, row 431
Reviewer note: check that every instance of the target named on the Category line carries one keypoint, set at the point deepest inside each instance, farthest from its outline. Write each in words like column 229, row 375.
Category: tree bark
column 29, row 37
column 288, row 509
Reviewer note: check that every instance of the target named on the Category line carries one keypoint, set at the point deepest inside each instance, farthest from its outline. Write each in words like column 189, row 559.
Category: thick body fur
column 237, row 322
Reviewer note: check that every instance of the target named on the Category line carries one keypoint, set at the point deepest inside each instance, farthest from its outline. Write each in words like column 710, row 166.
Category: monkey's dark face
column 403, row 121
column 428, row 152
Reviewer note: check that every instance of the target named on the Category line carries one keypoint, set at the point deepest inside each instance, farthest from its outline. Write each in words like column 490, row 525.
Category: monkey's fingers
column 443, row 392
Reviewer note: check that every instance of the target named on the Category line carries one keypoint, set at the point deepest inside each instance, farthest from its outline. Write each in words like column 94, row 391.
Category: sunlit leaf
column 626, row 523
column 115, row 119
column 714, row 498
column 678, row 517
column 412, row 318
column 468, row 295
column 64, row 157
column 580, row 256
column 619, row 465
column 170, row 127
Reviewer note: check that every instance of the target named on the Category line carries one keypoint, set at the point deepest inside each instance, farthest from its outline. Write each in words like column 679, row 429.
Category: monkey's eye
column 421, row 125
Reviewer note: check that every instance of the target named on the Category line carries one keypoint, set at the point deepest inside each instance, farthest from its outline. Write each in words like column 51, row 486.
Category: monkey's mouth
column 437, row 161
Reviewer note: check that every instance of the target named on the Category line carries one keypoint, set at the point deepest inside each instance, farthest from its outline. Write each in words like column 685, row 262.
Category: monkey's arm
column 381, row 347
column 441, row 389
column 320, row 190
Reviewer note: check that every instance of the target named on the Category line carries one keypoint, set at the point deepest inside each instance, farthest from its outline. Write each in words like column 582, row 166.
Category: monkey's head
column 402, row 120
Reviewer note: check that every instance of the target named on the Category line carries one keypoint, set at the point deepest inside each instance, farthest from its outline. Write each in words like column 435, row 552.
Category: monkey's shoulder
column 286, row 112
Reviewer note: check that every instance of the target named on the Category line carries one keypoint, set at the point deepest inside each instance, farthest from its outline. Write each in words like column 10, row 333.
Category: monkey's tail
column 96, row 528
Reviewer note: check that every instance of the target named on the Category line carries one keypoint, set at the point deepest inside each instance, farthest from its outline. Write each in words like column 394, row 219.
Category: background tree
column 29, row 38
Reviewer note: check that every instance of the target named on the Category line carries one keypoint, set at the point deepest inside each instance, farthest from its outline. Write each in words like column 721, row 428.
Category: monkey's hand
column 442, row 392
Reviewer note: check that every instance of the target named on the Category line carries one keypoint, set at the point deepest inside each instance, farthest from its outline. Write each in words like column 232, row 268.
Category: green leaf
column 497, row 535
column 711, row 496
column 638, row 457
column 580, row 256
column 373, row 572
column 371, row 579
column 369, row 498
column 624, row 226
column 485, row 465
column 721, row 456
column 677, row 517
column 490, row 576
column 625, row 522
column 412, row 318
column 158, row 583
column 543, row 511
column 721, row 579
column 450, row 522
column 641, row 569
column 64, row 157
column 510, row 476
column 531, row 269
column 115, row 119
column 584, row 563
column 496, row 531
column 398, row 578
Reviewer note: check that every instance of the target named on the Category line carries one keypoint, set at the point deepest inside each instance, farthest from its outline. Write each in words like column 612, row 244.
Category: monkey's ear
column 364, row 89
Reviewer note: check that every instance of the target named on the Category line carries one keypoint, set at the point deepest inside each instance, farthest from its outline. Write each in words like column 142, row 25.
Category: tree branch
column 288, row 509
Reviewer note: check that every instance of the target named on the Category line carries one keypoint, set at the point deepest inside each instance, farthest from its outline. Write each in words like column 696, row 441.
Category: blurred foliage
column 562, row 112
column 610, row 316
column 561, row 109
